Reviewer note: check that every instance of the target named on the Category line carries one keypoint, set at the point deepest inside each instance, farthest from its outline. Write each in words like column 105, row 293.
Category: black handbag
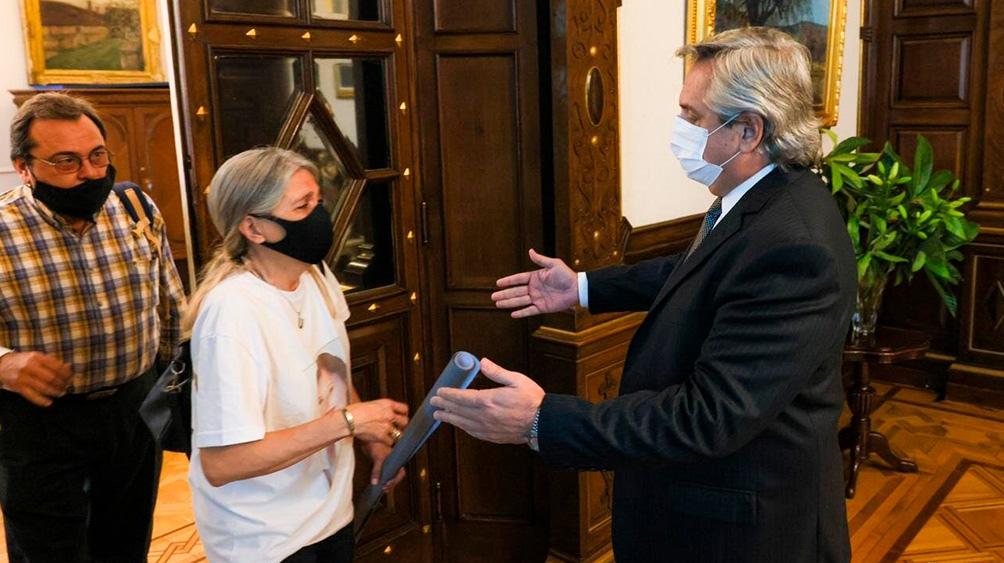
column 167, row 409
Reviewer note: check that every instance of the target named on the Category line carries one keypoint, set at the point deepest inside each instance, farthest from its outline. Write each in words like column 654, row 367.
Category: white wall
column 13, row 76
column 653, row 186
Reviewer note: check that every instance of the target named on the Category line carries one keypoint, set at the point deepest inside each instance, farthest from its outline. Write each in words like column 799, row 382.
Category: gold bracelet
column 350, row 421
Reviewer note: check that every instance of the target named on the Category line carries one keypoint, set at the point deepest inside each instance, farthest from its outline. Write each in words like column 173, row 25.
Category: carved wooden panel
column 601, row 385
column 378, row 370
column 916, row 58
column 470, row 16
column 986, row 335
column 479, row 121
column 587, row 157
column 933, row 7
column 595, row 155
column 949, row 146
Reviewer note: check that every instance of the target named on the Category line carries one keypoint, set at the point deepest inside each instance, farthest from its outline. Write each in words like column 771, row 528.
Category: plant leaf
column 946, row 296
column 890, row 257
column 923, row 161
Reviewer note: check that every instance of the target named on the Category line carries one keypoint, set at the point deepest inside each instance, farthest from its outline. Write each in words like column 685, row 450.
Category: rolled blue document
column 458, row 373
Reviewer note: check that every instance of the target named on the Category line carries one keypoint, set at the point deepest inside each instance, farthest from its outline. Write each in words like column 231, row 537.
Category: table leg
column 879, row 444
column 855, row 437
column 859, row 437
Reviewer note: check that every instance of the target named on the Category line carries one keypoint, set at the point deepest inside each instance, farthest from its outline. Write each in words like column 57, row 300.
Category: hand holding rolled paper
column 459, row 373
column 502, row 415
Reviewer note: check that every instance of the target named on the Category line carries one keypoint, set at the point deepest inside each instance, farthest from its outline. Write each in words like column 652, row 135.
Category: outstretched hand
column 502, row 415
column 552, row 288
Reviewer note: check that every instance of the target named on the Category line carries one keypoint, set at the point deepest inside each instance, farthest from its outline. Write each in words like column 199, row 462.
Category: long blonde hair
column 764, row 71
column 252, row 182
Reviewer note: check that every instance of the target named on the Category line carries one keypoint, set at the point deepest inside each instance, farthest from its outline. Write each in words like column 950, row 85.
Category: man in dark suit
column 724, row 437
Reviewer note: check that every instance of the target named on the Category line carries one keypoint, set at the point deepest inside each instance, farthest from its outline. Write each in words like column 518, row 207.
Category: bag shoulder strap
column 322, row 285
column 133, row 201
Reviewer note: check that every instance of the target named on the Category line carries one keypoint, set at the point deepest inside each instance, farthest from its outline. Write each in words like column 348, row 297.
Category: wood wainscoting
column 936, row 68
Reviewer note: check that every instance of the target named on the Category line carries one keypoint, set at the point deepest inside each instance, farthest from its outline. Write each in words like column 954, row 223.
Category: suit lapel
column 752, row 202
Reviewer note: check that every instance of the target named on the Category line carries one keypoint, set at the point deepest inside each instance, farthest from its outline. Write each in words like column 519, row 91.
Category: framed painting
column 817, row 24
column 344, row 85
column 92, row 41
column 332, row 9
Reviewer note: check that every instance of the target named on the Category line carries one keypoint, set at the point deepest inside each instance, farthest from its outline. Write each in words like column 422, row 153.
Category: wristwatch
column 531, row 435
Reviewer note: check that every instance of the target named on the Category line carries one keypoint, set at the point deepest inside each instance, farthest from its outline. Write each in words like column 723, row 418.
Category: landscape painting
column 92, row 41
column 817, row 24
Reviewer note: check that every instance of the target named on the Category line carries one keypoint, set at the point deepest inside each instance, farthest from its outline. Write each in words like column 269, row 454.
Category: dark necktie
column 714, row 212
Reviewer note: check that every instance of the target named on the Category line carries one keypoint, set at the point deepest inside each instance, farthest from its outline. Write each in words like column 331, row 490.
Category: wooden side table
column 889, row 346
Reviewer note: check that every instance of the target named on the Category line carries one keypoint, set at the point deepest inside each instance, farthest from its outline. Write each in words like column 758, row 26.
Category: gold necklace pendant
column 299, row 321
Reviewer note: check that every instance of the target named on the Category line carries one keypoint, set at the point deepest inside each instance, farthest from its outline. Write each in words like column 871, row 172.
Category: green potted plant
column 901, row 219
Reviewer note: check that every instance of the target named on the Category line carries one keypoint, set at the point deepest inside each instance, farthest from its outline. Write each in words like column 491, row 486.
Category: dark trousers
column 78, row 479
column 338, row 548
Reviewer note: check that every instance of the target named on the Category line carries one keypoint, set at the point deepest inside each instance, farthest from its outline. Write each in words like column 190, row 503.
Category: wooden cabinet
column 933, row 68
column 451, row 137
column 141, row 138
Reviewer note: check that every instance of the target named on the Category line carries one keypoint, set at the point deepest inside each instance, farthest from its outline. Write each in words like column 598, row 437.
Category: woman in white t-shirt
column 274, row 409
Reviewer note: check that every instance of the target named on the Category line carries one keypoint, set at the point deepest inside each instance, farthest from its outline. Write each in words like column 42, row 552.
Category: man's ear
column 752, row 132
column 21, row 166
column 249, row 229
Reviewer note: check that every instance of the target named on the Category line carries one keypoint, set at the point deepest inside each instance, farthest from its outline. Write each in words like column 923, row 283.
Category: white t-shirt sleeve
column 229, row 395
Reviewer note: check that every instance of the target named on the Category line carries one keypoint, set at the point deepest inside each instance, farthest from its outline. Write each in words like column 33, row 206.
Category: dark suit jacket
column 724, row 436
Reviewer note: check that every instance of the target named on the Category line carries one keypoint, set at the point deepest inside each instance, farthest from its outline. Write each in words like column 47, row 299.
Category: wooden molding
column 660, row 239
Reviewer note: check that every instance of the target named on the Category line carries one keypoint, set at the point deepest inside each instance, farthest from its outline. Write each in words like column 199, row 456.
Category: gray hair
column 47, row 105
column 250, row 183
column 767, row 72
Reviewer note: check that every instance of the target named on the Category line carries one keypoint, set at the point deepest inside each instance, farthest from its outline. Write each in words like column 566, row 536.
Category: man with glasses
column 88, row 304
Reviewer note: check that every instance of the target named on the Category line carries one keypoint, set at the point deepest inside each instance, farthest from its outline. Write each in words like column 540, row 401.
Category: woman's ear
column 249, row 228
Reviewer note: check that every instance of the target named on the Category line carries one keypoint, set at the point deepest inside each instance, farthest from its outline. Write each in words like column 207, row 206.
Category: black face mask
column 307, row 240
column 81, row 201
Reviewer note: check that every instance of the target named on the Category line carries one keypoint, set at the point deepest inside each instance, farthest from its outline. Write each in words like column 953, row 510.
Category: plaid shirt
column 101, row 301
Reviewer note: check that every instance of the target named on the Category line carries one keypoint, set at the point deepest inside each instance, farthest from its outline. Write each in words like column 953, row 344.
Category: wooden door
column 329, row 80
column 478, row 93
column 925, row 73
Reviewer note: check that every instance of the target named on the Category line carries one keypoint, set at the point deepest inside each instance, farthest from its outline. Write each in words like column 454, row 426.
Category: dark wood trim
column 660, row 239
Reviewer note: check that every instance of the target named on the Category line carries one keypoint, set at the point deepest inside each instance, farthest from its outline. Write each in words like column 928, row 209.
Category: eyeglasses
column 71, row 163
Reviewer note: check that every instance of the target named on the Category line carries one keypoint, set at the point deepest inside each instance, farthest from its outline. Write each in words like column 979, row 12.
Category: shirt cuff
column 583, row 290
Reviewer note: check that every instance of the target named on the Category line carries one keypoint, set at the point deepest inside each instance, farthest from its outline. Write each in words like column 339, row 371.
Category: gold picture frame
column 108, row 42
column 701, row 23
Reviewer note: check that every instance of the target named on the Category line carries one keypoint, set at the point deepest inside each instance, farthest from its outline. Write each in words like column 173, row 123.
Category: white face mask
column 688, row 144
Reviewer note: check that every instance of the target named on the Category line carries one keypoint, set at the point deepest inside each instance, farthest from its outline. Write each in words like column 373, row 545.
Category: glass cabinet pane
column 312, row 143
column 358, row 10
column 253, row 7
column 366, row 260
column 356, row 92
column 255, row 92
